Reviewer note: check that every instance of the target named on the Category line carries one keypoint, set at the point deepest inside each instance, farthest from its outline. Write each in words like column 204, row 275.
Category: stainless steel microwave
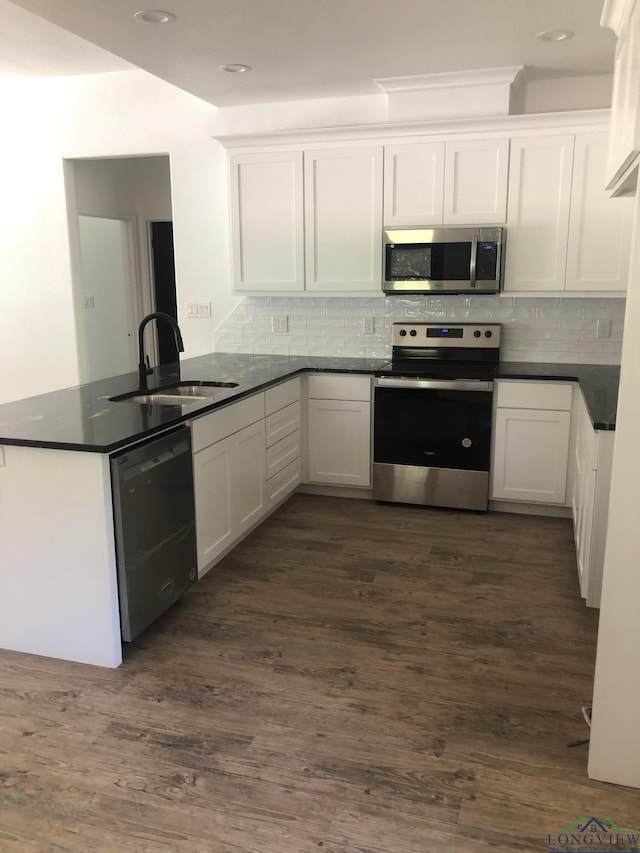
column 442, row 260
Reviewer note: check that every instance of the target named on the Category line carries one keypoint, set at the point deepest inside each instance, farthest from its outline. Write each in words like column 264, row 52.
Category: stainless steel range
column 433, row 409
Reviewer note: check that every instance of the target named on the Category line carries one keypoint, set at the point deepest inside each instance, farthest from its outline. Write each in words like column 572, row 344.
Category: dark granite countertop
column 598, row 382
column 83, row 418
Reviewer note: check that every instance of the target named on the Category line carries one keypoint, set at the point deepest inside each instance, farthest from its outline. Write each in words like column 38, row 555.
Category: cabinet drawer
column 281, row 395
column 218, row 425
column 553, row 396
column 282, row 423
column 283, row 483
column 282, row 453
column 331, row 387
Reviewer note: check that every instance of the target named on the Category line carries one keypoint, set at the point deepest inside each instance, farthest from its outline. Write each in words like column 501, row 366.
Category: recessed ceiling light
column 555, row 35
column 155, row 16
column 235, row 68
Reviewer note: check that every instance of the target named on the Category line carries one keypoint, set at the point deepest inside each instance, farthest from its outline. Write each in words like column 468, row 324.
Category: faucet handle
column 148, row 369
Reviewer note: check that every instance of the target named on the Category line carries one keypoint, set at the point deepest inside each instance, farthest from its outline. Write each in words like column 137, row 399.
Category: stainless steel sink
column 179, row 394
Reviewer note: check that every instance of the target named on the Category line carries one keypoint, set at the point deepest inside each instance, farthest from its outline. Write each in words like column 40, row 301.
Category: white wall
column 106, row 115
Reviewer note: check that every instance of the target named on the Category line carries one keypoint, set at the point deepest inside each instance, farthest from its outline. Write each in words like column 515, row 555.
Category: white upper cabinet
column 307, row 220
column 564, row 232
column 414, row 184
column 475, row 182
column 343, row 219
column 267, row 221
column 446, row 183
column 599, row 241
column 538, row 212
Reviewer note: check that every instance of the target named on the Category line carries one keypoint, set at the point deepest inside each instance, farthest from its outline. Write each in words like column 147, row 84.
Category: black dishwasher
column 154, row 516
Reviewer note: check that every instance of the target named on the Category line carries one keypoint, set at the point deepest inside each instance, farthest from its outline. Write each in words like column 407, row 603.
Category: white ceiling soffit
column 31, row 46
column 329, row 48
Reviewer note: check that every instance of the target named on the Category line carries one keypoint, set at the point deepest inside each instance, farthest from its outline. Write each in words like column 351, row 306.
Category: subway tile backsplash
column 543, row 330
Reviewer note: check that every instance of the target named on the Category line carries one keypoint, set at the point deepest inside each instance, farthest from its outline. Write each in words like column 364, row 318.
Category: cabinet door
column 413, row 184
column 475, row 185
column 267, row 221
column 340, row 442
column 248, row 486
column 582, row 503
column 213, row 474
column 538, row 213
column 599, row 227
column 530, row 455
column 343, row 219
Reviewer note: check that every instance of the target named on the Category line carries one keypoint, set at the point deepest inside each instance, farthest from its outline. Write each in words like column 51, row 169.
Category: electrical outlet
column 369, row 326
column 603, row 329
column 198, row 309
column 280, row 324
column 89, row 301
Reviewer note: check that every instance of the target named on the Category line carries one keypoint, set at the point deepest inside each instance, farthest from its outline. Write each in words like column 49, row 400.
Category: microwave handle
column 472, row 266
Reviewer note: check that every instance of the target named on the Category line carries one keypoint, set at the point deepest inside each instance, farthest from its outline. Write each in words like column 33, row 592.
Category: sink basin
column 179, row 394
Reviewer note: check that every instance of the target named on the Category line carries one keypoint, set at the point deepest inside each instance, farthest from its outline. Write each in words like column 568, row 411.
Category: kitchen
column 66, row 119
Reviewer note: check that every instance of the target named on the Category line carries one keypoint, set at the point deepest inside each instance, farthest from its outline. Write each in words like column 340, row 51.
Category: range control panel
column 476, row 335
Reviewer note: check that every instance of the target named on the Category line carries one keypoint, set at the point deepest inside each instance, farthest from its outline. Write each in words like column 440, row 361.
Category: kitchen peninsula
column 57, row 556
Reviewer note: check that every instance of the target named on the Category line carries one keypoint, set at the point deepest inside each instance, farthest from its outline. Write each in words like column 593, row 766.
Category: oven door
column 432, row 441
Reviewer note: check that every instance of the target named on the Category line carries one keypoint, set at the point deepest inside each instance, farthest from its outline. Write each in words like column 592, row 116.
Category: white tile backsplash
column 539, row 330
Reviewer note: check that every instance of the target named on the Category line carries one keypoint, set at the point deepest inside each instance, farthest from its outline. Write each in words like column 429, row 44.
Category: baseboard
column 521, row 508
column 335, row 491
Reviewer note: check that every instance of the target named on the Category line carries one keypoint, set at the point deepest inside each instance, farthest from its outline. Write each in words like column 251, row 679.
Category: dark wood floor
column 353, row 678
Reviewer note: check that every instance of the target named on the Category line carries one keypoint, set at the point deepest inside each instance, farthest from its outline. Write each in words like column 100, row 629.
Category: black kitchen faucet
column 144, row 369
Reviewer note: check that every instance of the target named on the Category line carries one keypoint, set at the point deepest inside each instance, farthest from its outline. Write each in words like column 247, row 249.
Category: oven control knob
column 466, row 442
column 488, row 334
column 403, row 332
column 477, row 333
column 413, row 333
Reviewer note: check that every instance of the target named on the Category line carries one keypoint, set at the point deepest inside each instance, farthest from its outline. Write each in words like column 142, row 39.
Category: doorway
column 135, row 191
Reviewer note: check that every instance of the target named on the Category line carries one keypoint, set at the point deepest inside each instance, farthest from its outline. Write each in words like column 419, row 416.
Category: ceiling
column 300, row 49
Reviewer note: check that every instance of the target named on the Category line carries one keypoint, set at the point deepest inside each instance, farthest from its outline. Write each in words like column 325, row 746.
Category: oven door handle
column 433, row 384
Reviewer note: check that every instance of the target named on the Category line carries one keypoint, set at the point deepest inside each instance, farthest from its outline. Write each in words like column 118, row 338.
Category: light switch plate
column 369, row 325
column 280, row 324
column 603, row 329
column 199, row 309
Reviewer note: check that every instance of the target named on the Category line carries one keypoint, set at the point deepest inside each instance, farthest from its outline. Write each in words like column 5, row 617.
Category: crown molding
column 450, row 80
column 578, row 120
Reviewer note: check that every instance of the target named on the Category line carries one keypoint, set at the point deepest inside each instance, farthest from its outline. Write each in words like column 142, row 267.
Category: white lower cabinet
column 339, row 430
column 532, row 429
column 592, row 458
column 229, row 476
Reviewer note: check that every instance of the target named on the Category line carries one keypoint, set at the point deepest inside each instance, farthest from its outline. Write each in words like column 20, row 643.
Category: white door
column 530, row 455
column 249, row 479
column 538, row 212
column 599, row 227
column 413, row 184
column 475, row 187
column 213, row 474
column 267, row 221
column 109, row 317
column 340, row 442
column 343, row 219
